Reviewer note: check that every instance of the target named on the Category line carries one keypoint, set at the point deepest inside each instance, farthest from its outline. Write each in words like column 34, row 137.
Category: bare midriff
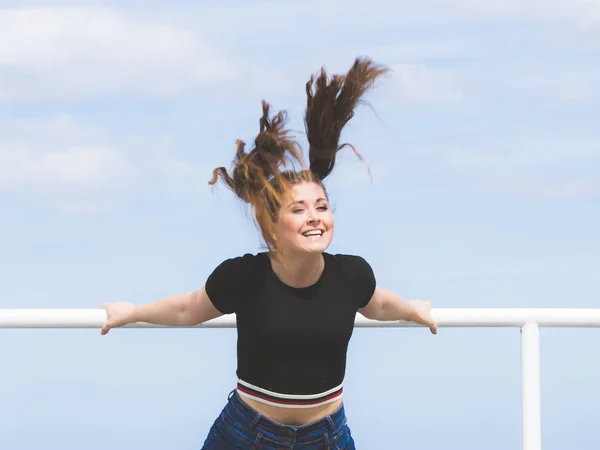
column 293, row 416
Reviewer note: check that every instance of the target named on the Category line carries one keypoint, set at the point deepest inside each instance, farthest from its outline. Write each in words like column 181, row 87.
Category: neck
column 299, row 271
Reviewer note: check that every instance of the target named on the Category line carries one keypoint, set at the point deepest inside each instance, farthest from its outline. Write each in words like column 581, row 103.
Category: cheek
column 329, row 220
column 289, row 227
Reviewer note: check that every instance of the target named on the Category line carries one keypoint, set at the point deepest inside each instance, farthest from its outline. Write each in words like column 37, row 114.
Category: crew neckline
column 287, row 286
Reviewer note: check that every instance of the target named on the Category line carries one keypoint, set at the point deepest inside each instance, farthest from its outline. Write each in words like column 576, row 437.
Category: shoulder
column 348, row 263
column 244, row 267
column 243, row 262
column 233, row 279
column 357, row 274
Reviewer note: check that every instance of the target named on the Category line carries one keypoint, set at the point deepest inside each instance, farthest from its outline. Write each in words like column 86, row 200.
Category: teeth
column 313, row 233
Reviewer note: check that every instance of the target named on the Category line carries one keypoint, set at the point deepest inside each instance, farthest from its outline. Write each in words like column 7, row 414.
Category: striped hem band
column 250, row 391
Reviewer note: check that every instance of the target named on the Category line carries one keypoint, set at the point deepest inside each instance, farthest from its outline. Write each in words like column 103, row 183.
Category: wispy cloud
column 576, row 10
column 522, row 166
column 542, row 186
column 82, row 51
column 573, row 84
column 419, row 83
column 329, row 12
column 38, row 155
column 111, row 48
column 82, row 169
column 76, row 167
column 516, row 153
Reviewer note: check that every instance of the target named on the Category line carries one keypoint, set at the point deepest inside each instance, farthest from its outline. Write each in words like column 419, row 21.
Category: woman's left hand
column 423, row 314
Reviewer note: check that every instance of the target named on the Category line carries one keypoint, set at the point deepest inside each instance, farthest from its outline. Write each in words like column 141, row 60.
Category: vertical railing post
column 530, row 385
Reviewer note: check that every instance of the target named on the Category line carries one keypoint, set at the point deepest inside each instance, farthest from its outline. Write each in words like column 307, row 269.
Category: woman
column 295, row 304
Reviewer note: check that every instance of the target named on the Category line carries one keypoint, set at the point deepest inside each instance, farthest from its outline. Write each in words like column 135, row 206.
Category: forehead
column 308, row 192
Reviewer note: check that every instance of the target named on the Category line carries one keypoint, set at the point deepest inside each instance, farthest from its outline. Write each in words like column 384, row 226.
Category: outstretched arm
column 188, row 309
column 386, row 305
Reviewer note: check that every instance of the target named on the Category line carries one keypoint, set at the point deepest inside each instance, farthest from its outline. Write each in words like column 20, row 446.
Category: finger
column 433, row 329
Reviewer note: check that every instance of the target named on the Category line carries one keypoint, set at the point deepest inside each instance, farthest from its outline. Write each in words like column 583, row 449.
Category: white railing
column 528, row 320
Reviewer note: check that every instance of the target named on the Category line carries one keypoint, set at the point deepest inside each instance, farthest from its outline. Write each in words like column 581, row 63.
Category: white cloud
column 75, row 167
column 426, row 47
column 75, row 51
column 419, row 83
column 536, row 167
column 328, row 14
column 573, row 83
column 533, row 185
column 57, row 158
column 166, row 167
column 79, row 169
column 516, row 154
column 375, row 13
column 576, row 10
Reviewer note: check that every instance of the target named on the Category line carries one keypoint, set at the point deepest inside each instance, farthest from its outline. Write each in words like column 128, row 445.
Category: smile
column 313, row 233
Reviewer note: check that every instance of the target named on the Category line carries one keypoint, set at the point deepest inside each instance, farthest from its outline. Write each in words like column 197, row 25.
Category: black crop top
column 292, row 342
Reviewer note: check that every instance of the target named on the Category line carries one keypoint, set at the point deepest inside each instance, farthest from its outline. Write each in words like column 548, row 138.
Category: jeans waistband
column 239, row 411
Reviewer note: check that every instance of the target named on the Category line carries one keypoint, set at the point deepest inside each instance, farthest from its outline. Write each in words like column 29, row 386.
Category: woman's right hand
column 118, row 314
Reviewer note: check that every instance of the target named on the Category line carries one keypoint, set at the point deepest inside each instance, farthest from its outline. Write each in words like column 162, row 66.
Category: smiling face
column 305, row 222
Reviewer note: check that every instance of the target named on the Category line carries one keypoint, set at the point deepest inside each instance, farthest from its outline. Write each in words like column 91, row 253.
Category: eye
column 323, row 208
column 296, row 211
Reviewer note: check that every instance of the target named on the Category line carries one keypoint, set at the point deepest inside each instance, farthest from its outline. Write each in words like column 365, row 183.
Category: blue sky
column 485, row 154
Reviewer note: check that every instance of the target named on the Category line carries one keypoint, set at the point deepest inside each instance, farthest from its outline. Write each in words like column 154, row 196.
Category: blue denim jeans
column 241, row 427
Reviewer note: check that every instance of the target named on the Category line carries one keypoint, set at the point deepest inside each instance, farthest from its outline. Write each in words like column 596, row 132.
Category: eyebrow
column 303, row 202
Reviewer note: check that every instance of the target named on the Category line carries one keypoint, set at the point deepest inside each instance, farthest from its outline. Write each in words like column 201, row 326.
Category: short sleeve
column 227, row 285
column 362, row 278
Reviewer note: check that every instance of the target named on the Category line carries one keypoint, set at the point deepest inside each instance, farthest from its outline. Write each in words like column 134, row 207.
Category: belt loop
column 231, row 394
column 256, row 419
column 331, row 424
column 326, row 439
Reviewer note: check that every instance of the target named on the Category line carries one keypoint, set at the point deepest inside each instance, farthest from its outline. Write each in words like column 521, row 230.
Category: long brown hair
column 257, row 177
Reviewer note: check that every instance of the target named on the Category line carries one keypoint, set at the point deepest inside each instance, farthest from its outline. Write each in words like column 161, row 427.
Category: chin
column 317, row 247
column 301, row 246
column 316, row 250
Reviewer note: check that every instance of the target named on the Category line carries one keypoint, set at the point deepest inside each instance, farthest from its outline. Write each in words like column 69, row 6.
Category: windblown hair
column 257, row 177
column 330, row 108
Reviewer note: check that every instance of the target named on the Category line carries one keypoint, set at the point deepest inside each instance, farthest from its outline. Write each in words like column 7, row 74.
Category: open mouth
column 313, row 233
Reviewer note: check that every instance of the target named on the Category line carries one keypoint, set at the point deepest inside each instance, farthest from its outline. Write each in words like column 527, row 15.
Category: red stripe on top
column 291, row 401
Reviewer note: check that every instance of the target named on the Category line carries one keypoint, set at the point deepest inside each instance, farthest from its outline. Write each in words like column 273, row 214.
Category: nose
column 313, row 217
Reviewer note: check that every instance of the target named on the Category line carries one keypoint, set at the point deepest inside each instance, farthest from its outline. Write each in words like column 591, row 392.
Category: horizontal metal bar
column 467, row 317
